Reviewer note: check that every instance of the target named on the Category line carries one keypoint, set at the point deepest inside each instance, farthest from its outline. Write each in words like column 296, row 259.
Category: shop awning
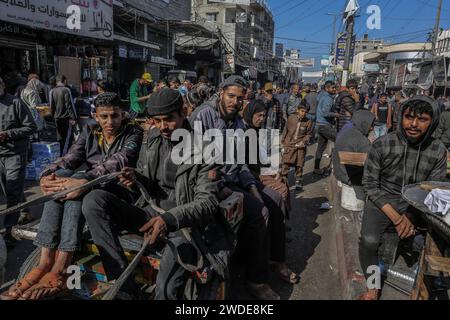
column 136, row 42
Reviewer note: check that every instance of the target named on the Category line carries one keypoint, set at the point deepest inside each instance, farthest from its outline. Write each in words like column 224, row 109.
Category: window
column 211, row 17
column 230, row 15
column 364, row 47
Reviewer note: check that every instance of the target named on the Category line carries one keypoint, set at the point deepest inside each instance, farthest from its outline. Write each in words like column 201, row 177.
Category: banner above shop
column 89, row 18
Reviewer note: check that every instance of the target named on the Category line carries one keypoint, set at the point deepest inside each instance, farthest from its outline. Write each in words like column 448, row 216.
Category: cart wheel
column 31, row 262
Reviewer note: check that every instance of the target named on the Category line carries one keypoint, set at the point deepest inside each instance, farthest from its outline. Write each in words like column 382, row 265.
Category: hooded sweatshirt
column 395, row 162
column 354, row 139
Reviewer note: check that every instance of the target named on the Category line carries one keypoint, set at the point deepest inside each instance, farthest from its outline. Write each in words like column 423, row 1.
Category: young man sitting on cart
column 187, row 194
column 409, row 155
column 107, row 147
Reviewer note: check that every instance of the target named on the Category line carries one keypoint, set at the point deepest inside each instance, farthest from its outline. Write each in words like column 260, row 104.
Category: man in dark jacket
column 16, row 127
column 63, row 110
column 353, row 139
column 409, row 155
column 186, row 193
column 347, row 103
column 105, row 148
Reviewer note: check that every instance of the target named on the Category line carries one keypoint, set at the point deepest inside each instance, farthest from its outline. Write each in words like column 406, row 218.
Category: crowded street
column 193, row 150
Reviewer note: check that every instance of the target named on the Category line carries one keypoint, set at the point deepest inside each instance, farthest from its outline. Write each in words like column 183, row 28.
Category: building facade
column 247, row 31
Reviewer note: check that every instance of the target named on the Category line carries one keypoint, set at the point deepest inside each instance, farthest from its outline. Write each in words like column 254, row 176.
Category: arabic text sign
column 96, row 18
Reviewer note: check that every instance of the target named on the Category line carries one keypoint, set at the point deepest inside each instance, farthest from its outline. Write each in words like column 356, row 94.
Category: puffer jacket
column 346, row 105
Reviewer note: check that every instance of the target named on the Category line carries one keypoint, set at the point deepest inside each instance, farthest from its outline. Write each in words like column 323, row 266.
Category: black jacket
column 196, row 193
column 18, row 124
column 61, row 104
column 345, row 105
column 443, row 130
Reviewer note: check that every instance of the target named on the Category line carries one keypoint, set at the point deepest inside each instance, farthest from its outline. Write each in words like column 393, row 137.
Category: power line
column 290, row 8
column 299, row 40
column 297, row 19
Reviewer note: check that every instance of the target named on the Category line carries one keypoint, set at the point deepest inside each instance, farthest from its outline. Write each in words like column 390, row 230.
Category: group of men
column 188, row 194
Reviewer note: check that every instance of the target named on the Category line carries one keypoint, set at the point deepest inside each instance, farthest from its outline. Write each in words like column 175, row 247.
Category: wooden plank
column 352, row 158
column 440, row 264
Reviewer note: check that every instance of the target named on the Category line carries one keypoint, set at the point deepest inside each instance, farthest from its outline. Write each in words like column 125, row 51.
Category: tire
column 31, row 262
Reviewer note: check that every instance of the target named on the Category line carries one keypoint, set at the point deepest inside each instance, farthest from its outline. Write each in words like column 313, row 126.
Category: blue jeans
column 61, row 223
column 380, row 130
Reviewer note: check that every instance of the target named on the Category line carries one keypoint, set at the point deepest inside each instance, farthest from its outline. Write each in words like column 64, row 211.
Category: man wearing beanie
column 187, row 194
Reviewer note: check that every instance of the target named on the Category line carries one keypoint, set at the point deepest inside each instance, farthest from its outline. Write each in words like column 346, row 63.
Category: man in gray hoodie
column 353, row 139
column 407, row 156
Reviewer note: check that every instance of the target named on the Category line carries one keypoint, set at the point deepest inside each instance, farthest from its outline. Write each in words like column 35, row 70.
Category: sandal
column 285, row 273
column 21, row 286
column 51, row 286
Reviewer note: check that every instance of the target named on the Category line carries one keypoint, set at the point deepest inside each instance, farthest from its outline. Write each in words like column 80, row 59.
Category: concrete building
column 399, row 63
column 247, row 31
column 443, row 44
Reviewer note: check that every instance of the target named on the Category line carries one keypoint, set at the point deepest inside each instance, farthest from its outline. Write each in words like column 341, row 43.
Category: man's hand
column 155, row 228
column 280, row 178
column 3, row 136
column 72, row 122
column 72, row 183
column 52, row 183
column 404, row 227
column 128, row 177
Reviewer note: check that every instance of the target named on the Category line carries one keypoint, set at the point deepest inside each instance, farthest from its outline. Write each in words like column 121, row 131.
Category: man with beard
column 407, row 156
column 16, row 127
column 186, row 193
column 222, row 113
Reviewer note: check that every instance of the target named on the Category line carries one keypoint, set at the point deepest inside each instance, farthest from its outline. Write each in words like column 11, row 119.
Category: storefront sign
column 16, row 29
column 371, row 67
column 341, row 48
column 123, row 52
column 279, row 50
column 96, row 16
column 161, row 60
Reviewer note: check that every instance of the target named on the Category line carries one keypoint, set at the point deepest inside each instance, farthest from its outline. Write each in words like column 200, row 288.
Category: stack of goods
column 44, row 153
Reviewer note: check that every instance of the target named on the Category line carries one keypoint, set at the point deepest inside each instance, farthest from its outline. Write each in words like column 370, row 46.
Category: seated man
column 353, row 139
column 409, row 155
column 187, row 194
column 222, row 113
column 105, row 148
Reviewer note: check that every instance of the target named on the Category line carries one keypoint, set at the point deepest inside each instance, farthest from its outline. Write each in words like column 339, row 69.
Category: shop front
column 18, row 53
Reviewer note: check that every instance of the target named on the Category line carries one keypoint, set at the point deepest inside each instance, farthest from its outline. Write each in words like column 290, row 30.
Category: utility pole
column 348, row 48
column 436, row 28
column 333, row 35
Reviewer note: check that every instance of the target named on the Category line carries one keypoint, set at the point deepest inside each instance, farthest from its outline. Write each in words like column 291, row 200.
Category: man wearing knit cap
column 186, row 193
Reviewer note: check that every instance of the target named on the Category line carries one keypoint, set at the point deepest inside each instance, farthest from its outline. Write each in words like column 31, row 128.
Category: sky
column 401, row 21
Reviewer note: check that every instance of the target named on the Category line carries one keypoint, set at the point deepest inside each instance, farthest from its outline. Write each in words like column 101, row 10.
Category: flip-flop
column 50, row 281
column 22, row 285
